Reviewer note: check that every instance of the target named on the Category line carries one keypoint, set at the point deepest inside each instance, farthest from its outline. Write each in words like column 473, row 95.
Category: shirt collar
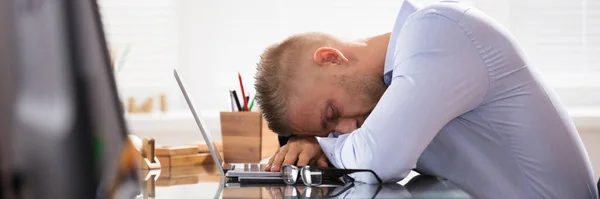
column 406, row 9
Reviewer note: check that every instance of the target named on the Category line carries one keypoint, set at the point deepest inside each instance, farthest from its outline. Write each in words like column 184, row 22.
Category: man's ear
column 328, row 55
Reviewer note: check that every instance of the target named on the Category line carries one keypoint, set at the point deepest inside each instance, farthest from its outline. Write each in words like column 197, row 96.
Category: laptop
column 235, row 172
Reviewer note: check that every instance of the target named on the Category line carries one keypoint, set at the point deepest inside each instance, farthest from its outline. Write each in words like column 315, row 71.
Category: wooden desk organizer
column 145, row 149
column 246, row 137
column 186, row 155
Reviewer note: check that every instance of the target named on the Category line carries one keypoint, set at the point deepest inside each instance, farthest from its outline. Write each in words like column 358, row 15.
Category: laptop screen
column 214, row 151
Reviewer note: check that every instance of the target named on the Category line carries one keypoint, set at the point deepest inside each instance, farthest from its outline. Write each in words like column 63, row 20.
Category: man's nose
column 346, row 125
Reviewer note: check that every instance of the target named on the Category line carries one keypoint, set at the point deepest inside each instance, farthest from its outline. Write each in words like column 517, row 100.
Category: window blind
column 561, row 39
column 143, row 36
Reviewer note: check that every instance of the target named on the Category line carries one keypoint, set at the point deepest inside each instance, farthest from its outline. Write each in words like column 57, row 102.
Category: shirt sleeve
column 438, row 76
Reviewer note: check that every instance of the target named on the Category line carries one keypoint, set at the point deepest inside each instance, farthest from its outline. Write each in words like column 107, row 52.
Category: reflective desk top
column 205, row 182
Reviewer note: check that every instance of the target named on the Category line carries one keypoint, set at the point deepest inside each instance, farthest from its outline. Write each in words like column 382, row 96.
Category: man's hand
column 301, row 151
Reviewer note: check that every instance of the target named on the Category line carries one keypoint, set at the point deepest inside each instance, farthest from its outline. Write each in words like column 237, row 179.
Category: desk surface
column 205, row 182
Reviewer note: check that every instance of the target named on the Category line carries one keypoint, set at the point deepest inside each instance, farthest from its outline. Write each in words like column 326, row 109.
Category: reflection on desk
column 205, row 182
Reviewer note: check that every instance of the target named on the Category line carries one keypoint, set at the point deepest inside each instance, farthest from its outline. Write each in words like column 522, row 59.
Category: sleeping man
column 448, row 92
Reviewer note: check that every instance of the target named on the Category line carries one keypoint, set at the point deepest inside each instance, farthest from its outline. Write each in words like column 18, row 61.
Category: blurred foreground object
column 63, row 129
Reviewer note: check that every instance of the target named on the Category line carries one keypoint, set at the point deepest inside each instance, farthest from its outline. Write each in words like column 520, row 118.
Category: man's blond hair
column 276, row 72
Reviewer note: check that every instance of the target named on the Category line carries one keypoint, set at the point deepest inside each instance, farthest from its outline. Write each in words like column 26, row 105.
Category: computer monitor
column 67, row 129
column 7, row 98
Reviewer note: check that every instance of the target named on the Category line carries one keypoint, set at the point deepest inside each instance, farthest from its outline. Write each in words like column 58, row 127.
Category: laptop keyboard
column 248, row 167
column 253, row 167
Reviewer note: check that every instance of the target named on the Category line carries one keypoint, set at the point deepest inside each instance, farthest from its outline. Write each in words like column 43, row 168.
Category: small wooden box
column 246, row 137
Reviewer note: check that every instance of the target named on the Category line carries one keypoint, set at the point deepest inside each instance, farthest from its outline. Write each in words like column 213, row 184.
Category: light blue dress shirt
column 465, row 104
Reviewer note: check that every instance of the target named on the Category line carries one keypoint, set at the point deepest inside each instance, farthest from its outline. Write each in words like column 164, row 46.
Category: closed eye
column 330, row 113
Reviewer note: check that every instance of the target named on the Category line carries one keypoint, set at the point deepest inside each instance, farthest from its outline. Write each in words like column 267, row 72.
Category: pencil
column 243, row 93
column 252, row 103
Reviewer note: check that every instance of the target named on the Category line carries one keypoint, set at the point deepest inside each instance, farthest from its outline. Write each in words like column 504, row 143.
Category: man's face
column 339, row 101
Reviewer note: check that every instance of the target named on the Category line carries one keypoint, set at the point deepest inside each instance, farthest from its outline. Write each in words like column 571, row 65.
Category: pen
column 252, row 103
column 237, row 102
column 231, row 101
column 243, row 93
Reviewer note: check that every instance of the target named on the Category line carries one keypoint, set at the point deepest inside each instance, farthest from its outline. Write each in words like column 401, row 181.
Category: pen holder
column 246, row 137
